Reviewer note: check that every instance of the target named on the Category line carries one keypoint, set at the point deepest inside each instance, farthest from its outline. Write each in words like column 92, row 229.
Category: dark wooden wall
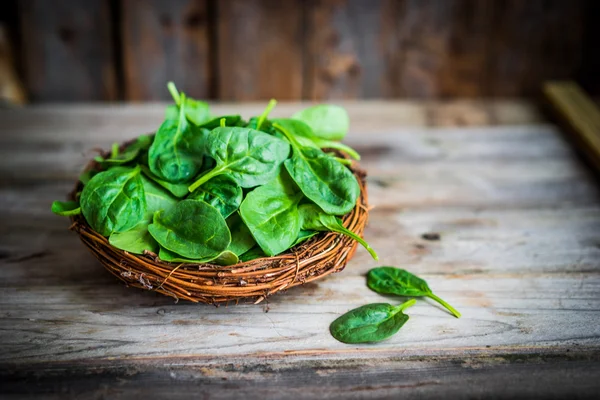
column 73, row 50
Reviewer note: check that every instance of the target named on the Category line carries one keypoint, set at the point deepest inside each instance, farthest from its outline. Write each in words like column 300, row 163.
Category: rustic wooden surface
column 301, row 49
column 519, row 256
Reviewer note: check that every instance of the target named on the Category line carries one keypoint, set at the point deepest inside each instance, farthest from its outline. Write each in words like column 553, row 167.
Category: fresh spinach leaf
column 271, row 213
column 313, row 218
column 225, row 258
column 327, row 121
column 196, row 111
column 130, row 153
column 241, row 238
column 321, row 178
column 250, row 157
column 176, row 189
column 391, row 280
column 253, row 254
column 192, row 229
column 370, row 323
column 66, row 208
column 86, row 175
column 177, row 151
column 306, row 137
column 221, row 192
column 230, row 120
column 303, row 236
column 114, row 200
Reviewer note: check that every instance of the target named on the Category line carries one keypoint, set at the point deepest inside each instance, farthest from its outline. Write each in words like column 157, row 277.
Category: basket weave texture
column 255, row 280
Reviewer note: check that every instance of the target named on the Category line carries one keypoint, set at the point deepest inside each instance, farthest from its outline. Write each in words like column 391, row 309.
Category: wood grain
column 260, row 49
column 518, row 217
column 166, row 41
column 67, row 50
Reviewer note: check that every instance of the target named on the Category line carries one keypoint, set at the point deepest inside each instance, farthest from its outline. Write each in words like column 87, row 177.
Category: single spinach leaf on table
column 196, row 111
column 301, row 130
column 66, row 208
column 313, row 218
column 271, row 213
column 221, row 192
column 114, row 200
column 321, row 178
column 250, row 157
column 327, row 121
column 370, row 323
column 241, row 238
column 177, row 151
column 176, row 189
column 138, row 239
column 192, row 229
column 391, row 280
column 225, row 258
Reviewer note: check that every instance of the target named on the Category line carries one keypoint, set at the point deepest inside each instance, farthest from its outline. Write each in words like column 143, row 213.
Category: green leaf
column 303, row 236
column 230, row 121
column 177, row 151
column 114, row 200
column 321, row 178
column 135, row 240
column 222, row 193
column 250, row 157
column 253, row 254
column 66, row 208
column 196, row 111
column 313, row 218
column 177, row 189
column 327, row 121
column 271, row 214
column 391, row 280
column 192, row 229
column 307, row 137
column 370, row 323
column 85, row 176
column 225, row 258
column 130, row 153
column 241, row 238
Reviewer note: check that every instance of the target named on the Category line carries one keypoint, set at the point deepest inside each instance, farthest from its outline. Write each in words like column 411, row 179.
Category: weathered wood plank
column 67, row 50
column 166, row 41
column 260, row 53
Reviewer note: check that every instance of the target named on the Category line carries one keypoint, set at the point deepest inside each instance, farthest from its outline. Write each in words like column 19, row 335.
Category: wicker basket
column 254, row 280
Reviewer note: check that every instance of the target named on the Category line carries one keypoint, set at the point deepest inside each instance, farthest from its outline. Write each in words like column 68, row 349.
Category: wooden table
column 519, row 256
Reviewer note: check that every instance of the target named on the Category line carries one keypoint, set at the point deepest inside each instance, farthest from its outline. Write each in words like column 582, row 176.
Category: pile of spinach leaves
column 222, row 189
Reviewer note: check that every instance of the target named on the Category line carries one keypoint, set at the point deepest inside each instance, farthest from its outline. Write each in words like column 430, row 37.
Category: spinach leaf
column 271, row 213
column 313, row 218
column 130, row 153
column 177, row 189
column 241, row 238
column 253, row 254
column 66, row 208
column 114, row 200
column 326, row 120
column 135, row 240
column 192, row 229
column 250, row 157
column 321, row 178
column 306, row 137
column 230, row 120
column 391, row 280
column 222, row 193
column 225, row 258
column 370, row 323
column 85, row 176
column 138, row 239
column 197, row 112
column 303, row 236
column 177, row 152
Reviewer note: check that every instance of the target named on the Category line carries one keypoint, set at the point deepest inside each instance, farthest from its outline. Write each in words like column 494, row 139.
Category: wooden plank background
column 313, row 50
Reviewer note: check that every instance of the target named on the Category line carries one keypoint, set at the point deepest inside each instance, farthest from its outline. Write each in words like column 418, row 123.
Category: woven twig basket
column 254, row 280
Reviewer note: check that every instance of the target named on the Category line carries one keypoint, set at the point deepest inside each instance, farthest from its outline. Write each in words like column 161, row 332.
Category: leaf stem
column 446, row 305
column 174, row 92
column 222, row 122
column 405, row 305
column 344, row 161
column 322, row 143
column 205, row 178
column 114, row 150
column 266, row 113
column 342, row 229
